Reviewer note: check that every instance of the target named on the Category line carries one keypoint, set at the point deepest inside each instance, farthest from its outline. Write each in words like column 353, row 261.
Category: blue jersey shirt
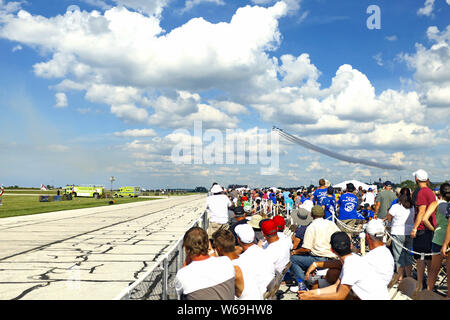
column 347, row 207
column 273, row 197
column 319, row 194
column 330, row 207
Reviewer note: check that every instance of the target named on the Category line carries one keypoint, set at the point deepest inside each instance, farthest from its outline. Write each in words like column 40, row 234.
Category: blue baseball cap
column 388, row 183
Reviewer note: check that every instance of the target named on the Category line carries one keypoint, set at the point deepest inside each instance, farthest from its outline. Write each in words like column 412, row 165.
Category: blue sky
column 76, row 80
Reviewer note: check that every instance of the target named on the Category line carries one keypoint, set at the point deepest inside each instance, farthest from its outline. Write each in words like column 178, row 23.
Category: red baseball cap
column 244, row 198
column 269, row 227
column 279, row 222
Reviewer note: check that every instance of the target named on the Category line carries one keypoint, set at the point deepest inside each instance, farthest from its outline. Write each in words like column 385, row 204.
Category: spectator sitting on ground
column 254, row 258
column 217, row 206
column 204, row 277
column 357, row 280
column 246, row 287
column 316, row 244
column 277, row 250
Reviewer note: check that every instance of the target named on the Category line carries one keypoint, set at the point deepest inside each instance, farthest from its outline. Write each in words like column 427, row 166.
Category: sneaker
column 294, row 289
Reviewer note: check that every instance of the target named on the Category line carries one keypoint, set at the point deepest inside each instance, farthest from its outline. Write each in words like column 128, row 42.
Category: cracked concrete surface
column 89, row 254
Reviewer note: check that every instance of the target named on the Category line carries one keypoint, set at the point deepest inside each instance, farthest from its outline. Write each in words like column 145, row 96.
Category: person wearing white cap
column 217, row 207
column 379, row 260
column 379, row 256
column 423, row 230
column 254, row 257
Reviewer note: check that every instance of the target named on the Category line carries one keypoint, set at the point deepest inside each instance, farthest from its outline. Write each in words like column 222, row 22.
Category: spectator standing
column 369, row 197
column 422, row 232
column 446, row 243
column 401, row 216
column 384, row 200
column 329, row 204
column 440, row 207
column 289, row 202
column 204, row 277
column 217, row 207
column 320, row 192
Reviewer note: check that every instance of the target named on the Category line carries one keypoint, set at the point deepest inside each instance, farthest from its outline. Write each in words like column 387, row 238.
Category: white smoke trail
column 335, row 155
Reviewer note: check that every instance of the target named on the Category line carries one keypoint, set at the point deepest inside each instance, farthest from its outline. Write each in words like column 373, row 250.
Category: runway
column 89, row 254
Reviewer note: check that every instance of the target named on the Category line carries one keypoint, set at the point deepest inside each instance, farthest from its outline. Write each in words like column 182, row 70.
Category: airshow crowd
column 323, row 242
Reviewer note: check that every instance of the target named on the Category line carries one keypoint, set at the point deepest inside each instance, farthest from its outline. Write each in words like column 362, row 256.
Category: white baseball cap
column 375, row 227
column 245, row 233
column 216, row 189
column 421, row 175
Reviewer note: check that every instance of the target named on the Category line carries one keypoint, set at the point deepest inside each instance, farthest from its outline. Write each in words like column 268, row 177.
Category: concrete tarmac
column 89, row 254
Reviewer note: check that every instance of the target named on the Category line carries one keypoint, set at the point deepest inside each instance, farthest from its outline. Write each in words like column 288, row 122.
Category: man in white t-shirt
column 217, row 207
column 277, row 250
column 204, row 277
column 379, row 256
column 358, row 279
column 246, row 285
column 254, row 257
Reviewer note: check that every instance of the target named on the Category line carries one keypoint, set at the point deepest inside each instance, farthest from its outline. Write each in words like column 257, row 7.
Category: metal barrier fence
column 158, row 283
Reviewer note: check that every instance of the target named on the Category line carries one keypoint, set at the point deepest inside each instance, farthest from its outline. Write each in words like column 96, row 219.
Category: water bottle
column 301, row 285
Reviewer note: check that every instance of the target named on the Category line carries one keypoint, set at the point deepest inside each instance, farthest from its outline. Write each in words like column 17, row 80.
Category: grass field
column 16, row 205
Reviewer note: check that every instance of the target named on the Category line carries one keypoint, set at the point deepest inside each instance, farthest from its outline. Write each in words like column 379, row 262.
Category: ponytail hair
column 405, row 198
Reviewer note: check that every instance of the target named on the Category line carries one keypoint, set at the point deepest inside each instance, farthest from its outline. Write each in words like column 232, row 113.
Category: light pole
column 112, row 179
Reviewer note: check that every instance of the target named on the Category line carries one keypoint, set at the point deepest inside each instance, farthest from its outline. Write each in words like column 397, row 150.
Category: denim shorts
column 435, row 248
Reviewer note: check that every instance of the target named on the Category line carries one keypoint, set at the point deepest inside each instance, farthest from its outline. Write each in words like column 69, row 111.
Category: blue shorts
column 435, row 248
